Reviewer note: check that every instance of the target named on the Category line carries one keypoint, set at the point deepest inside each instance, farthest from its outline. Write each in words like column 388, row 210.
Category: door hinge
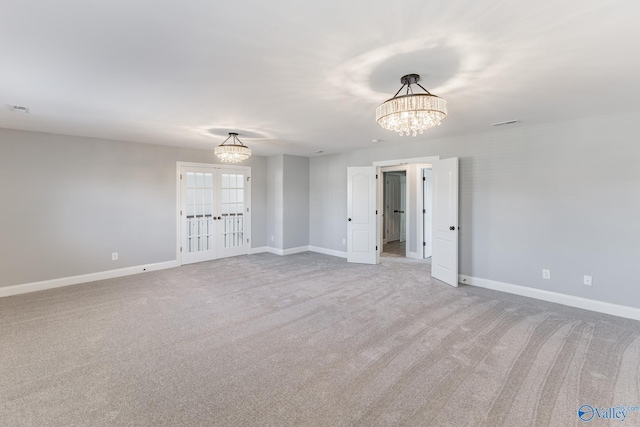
column 180, row 176
column 376, row 176
column 248, row 178
column 247, row 240
column 376, row 248
column 376, row 212
column 180, row 248
column 424, row 243
column 247, row 209
column 424, row 178
column 180, row 213
column 424, row 211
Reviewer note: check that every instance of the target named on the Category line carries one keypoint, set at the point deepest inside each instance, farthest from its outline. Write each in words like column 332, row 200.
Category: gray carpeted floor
column 306, row 340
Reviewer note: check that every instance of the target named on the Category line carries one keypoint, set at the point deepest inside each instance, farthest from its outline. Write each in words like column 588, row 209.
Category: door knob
column 349, row 219
column 452, row 228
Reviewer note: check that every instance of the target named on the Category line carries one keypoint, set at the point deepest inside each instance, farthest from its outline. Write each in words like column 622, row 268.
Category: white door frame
column 179, row 166
column 426, row 185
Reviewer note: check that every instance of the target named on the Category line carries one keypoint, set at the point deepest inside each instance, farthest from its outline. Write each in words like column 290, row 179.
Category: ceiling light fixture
column 412, row 113
column 233, row 152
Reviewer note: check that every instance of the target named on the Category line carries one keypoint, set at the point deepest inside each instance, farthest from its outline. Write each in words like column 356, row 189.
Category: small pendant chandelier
column 233, row 152
column 412, row 113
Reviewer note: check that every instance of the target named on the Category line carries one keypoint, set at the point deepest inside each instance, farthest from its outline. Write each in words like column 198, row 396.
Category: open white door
column 444, row 262
column 427, row 212
column 361, row 215
column 403, row 208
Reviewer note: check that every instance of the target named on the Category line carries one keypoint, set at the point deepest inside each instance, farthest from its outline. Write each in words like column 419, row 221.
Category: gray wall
column 69, row 202
column 328, row 200
column 275, row 201
column 296, row 201
column 559, row 196
column 287, row 201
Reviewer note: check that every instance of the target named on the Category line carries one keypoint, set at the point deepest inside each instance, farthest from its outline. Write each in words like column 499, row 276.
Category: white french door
column 233, row 221
column 198, row 230
column 214, row 212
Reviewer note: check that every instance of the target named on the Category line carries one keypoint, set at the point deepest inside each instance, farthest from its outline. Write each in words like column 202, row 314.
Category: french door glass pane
column 199, row 211
column 232, row 209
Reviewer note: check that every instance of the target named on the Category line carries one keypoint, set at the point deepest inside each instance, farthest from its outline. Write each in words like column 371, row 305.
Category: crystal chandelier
column 233, row 152
column 412, row 113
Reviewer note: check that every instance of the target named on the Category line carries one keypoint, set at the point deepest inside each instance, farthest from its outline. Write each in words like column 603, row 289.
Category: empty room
column 319, row 214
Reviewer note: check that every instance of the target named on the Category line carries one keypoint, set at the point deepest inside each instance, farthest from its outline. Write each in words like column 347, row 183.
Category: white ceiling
column 296, row 77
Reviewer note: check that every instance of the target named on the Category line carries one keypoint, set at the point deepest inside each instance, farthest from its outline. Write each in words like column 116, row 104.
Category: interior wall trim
column 297, row 250
column 276, row 251
column 283, row 252
column 83, row 278
column 558, row 298
column 325, row 251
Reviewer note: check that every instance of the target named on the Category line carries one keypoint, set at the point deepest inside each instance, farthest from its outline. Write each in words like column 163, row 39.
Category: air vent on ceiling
column 508, row 122
column 18, row 108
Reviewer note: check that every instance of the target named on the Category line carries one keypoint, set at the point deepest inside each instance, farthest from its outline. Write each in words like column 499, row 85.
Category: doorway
column 394, row 214
column 365, row 225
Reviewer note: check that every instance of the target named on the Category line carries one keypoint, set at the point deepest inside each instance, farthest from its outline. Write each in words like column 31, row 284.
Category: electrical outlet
column 114, row 256
column 546, row 274
column 588, row 280
column 344, row 241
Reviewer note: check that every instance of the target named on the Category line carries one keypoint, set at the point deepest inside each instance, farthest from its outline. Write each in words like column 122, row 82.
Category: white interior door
column 403, row 208
column 444, row 262
column 198, row 225
column 427, row 212
column 234, row 218
column 361, row 215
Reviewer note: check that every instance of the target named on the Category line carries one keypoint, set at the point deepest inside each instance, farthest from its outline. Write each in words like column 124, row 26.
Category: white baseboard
column 326, row 251
column 83, row 278
column 283, row 252
column 564, row 299
column 297, row 250
column 413, row 255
